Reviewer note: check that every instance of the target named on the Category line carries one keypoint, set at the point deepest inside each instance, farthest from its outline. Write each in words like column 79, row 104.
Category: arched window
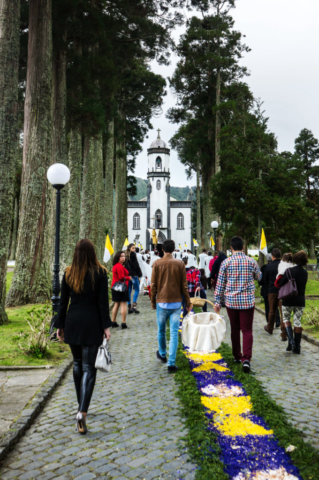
column 180, row 221
column 158, row 219
column 158, row 184
column 136, row 221
column 158, row 163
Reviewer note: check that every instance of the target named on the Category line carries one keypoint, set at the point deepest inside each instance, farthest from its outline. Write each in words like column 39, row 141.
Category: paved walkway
column 134, row 423
column 291, row 380
column 17, row 387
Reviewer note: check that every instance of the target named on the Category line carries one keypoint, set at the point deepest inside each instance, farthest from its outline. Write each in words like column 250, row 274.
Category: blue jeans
column 134, row 283
column 174, row 320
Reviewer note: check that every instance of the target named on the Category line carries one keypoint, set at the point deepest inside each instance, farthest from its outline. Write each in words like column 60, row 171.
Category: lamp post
column 58, row 175
column 214, row 226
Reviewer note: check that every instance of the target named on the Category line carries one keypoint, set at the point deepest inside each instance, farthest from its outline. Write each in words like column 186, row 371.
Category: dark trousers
column 241, row 320
column 274, row 304
column 267, row 311
column 84, row 373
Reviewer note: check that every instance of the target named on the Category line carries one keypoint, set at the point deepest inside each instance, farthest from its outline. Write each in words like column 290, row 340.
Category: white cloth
column 192, row 262
column 203, row 331
column 206, row 263
column 153, row 259
column 282, row 267
column 177, row 255
column 201, row 260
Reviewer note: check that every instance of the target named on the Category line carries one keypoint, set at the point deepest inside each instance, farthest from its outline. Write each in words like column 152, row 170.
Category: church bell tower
column 158, row 188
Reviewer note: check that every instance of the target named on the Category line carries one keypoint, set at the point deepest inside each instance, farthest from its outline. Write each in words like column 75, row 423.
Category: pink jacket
column 211, row 263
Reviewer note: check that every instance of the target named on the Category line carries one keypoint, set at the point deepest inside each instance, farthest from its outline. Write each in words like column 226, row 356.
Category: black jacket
column 271, row 272
column 216, row 267
column 133, row 266
column 264, row 287
column 301, row 277
column 88, row 313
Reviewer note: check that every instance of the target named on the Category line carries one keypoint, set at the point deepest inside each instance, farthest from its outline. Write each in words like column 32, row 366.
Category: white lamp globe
column 214, row 224
column 58, row 174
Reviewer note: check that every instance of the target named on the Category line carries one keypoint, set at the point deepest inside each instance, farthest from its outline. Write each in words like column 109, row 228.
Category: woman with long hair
column 120, row 274
column 135, row 272
column 87, row 320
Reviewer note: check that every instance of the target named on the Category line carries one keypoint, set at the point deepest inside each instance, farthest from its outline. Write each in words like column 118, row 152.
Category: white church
column 158, row 210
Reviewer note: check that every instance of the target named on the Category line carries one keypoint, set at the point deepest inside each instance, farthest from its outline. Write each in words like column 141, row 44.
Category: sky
column 284, row 39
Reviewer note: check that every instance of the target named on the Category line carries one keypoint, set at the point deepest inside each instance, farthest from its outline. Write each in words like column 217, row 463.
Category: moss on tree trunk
column 14, row 230
column 31, row 281
column 88, row 190
column 9, row 67
column 120, row 188
column 109, row 180
column 74, row 190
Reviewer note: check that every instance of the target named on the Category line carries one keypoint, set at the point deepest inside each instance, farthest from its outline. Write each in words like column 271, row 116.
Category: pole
column 215, row 237
column 56, row 269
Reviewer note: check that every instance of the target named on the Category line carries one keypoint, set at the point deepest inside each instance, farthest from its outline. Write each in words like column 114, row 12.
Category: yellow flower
column 235, row 425
column 204, row 357
column 210, row 366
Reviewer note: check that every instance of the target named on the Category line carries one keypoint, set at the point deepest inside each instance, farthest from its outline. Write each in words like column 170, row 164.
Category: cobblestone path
column 291, row 380
column 134, row 424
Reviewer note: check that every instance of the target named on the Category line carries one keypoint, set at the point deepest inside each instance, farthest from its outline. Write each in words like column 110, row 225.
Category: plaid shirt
column 236, row 281
column 193, row 279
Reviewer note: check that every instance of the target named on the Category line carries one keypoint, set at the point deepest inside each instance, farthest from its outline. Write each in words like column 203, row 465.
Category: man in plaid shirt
column 236, row 282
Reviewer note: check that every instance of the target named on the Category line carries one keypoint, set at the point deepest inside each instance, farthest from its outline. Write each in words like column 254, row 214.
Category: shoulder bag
column 104, row 358
column 288, row 290
column 120, row 286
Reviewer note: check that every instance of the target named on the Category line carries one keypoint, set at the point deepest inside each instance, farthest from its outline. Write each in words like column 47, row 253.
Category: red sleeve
column 277, row 282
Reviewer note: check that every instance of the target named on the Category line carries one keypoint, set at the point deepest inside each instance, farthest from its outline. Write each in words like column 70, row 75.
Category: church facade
column 170, row 217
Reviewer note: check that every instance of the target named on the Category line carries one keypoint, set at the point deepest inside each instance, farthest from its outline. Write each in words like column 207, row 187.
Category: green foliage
column 179, row 193
column 201, row 443
column 305, row 457
column 311, row 317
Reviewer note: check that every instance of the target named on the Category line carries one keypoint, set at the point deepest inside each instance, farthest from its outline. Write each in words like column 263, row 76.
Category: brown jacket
column 169, row 281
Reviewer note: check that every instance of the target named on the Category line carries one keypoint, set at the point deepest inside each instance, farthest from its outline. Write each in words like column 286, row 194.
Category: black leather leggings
column 84, row 373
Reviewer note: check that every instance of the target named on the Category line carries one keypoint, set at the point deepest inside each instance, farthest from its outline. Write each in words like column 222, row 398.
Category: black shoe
column 237, row 361
column 246, row 366
column 129, row 309
column 115, row 325
column 124, row 326
column 172, row 369
column 135, row 309
column 159, row 356
column 81, row 424
column 277, row 325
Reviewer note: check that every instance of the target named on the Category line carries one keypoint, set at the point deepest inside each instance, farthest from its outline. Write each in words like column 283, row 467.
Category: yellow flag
column 126, row 243
column 108, row 249
column 212, row 241
column 185, row 245
column 179, row 246
column 195, row 242
column 263, row 244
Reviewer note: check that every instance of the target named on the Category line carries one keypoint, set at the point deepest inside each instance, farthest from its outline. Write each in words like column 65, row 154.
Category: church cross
column 158, row 136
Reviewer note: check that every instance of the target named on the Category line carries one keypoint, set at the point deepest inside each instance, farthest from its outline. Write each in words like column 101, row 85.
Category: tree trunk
column 217, row 126
column 14, row 230
column 74, row 191
column 9, row 67
column 31, row 280
column 312, row 250
column 59, row 148
column 198, row 207
column 208, row 215
column 109, row 180
column 120, row 188
column 99, row 219
column 88, row 192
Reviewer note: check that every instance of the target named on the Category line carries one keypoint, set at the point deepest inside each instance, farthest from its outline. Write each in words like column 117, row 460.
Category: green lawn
column 10, row 353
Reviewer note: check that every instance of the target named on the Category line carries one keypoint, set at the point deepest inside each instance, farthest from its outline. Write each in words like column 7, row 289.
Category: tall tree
column 307, row 153
column 31, row 279
column 9, row 71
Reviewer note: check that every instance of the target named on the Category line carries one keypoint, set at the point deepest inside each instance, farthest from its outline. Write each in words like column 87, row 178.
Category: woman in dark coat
column 87, row 320
column 135, row 272
column 295, row 305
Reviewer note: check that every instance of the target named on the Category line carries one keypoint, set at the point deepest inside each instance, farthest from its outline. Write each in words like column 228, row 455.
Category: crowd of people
column 172, row 278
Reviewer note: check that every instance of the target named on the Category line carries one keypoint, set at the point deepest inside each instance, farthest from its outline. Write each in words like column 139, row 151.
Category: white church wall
column 158, row 200
column 181, row 236
column 152, row 162
column 143, row 225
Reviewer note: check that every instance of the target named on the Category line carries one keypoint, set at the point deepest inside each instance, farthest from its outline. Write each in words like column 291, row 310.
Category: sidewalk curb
column 305, row 336
column 31, row 411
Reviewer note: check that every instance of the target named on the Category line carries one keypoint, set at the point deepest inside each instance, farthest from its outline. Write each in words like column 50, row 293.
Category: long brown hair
column 84, row 260
column 128, row 251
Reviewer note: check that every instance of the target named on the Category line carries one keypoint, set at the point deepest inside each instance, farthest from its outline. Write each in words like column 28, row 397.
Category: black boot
column 290, row 334
column 134, row 308
column 298, row 331
column 129, row 309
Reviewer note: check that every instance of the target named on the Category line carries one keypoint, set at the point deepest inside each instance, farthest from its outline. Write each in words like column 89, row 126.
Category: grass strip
column 201, row 444
column 305, row 457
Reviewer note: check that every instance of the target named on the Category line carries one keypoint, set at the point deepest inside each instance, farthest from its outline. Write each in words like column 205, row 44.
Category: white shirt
column 201, row 259
column 192, row 262
column 207, row 262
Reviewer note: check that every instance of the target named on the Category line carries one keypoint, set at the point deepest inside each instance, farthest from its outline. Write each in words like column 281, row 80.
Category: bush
column 311, row 317
column 37, row 342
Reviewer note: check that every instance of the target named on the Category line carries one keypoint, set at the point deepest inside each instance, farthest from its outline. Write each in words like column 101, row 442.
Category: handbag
column 120, row 286
column 288, row 290
column 104, row 358
column 197, row 301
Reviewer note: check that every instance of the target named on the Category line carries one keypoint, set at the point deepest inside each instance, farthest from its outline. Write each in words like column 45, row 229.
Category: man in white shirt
column 201, row 259
column 191, row 258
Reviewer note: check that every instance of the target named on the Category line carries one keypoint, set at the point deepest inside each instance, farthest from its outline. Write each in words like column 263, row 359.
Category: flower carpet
column 249, row 449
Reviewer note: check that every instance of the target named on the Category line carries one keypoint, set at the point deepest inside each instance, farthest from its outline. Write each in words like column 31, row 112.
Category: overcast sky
column 284, row 38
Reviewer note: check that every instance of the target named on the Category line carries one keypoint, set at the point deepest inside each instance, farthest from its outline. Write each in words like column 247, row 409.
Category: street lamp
column 58, row 175
column 214, row 226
